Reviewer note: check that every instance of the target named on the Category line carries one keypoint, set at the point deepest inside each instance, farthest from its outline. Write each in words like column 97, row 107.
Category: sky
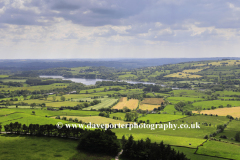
column 58, row 29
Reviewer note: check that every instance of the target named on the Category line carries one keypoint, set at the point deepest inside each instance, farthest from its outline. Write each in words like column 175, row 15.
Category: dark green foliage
column 99, row 141
column 237, row 137
column 142, row 150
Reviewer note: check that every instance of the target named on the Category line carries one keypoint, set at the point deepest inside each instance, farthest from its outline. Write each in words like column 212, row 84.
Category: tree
column 99, row 141
column 45, row 96
column 54, row 98
column 32, row 105
column 198, row 109
column 63, row 98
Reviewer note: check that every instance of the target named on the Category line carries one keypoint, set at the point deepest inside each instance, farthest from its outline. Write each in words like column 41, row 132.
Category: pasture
column 220, row 149
column 23, row 147
column 155, row 101
column 105, row 103
column 230, row 131
column 215, row 103
column 191, row 70
column 183, row 75
column 174, row 100
column 96, row 120
column 153, row 118
column 123, row 102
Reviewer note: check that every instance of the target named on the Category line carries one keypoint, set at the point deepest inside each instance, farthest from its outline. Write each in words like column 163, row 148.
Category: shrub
column 223, row 136
column 58, row 117
column 206, row 137
column 237, row 137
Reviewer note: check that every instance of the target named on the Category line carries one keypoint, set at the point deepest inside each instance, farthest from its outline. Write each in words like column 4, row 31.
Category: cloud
column 112, row 22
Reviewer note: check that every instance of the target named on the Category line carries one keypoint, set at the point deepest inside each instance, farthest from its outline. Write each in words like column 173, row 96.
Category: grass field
column 4, row 76
column 105, row 103
column 123, row 102
column 148, row 107
column 23, row 147
column 220, row 149
column 96, row 120
column 39, row 87
column 174, row 100
column 156, row 101
column 216, row 103
column 65, row 103
column 233, row 111
column 183, row 75
column 188, row 93
column 153, row 118
column 170, row 110
column 191, row 70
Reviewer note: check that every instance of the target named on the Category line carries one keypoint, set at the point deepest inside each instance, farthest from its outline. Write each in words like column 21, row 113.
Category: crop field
column 123, row 102
column 156, row 101
column 216, row 103
column 105, row 103
column 220, row 149
column 183, row 75
column 233, row 111
column 96, row 120
column 191, row 70
column 148, row 107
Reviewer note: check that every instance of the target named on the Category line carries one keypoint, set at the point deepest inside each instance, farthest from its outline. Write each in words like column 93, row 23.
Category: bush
column 237, row 137
column 58, row 117
column 223, row 136
column 99, row 141
column 206, row 137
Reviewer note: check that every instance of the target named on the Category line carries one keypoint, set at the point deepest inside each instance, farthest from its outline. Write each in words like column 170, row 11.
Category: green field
column 220, row 149
column 216, row 103
column 105, row 103
column 153, row 118
column 174, row 100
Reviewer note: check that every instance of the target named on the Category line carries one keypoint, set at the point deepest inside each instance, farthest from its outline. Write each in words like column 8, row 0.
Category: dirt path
column 116, row 158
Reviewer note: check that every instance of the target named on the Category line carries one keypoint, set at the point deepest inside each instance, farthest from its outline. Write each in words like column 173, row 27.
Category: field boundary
column 209, row 155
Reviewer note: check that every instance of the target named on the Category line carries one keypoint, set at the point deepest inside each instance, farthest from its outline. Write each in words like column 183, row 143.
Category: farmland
column 149, row 107
column 105, row 103
column 154, row 101
column 233, row 111
column 146, row 105
column 123, row 102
